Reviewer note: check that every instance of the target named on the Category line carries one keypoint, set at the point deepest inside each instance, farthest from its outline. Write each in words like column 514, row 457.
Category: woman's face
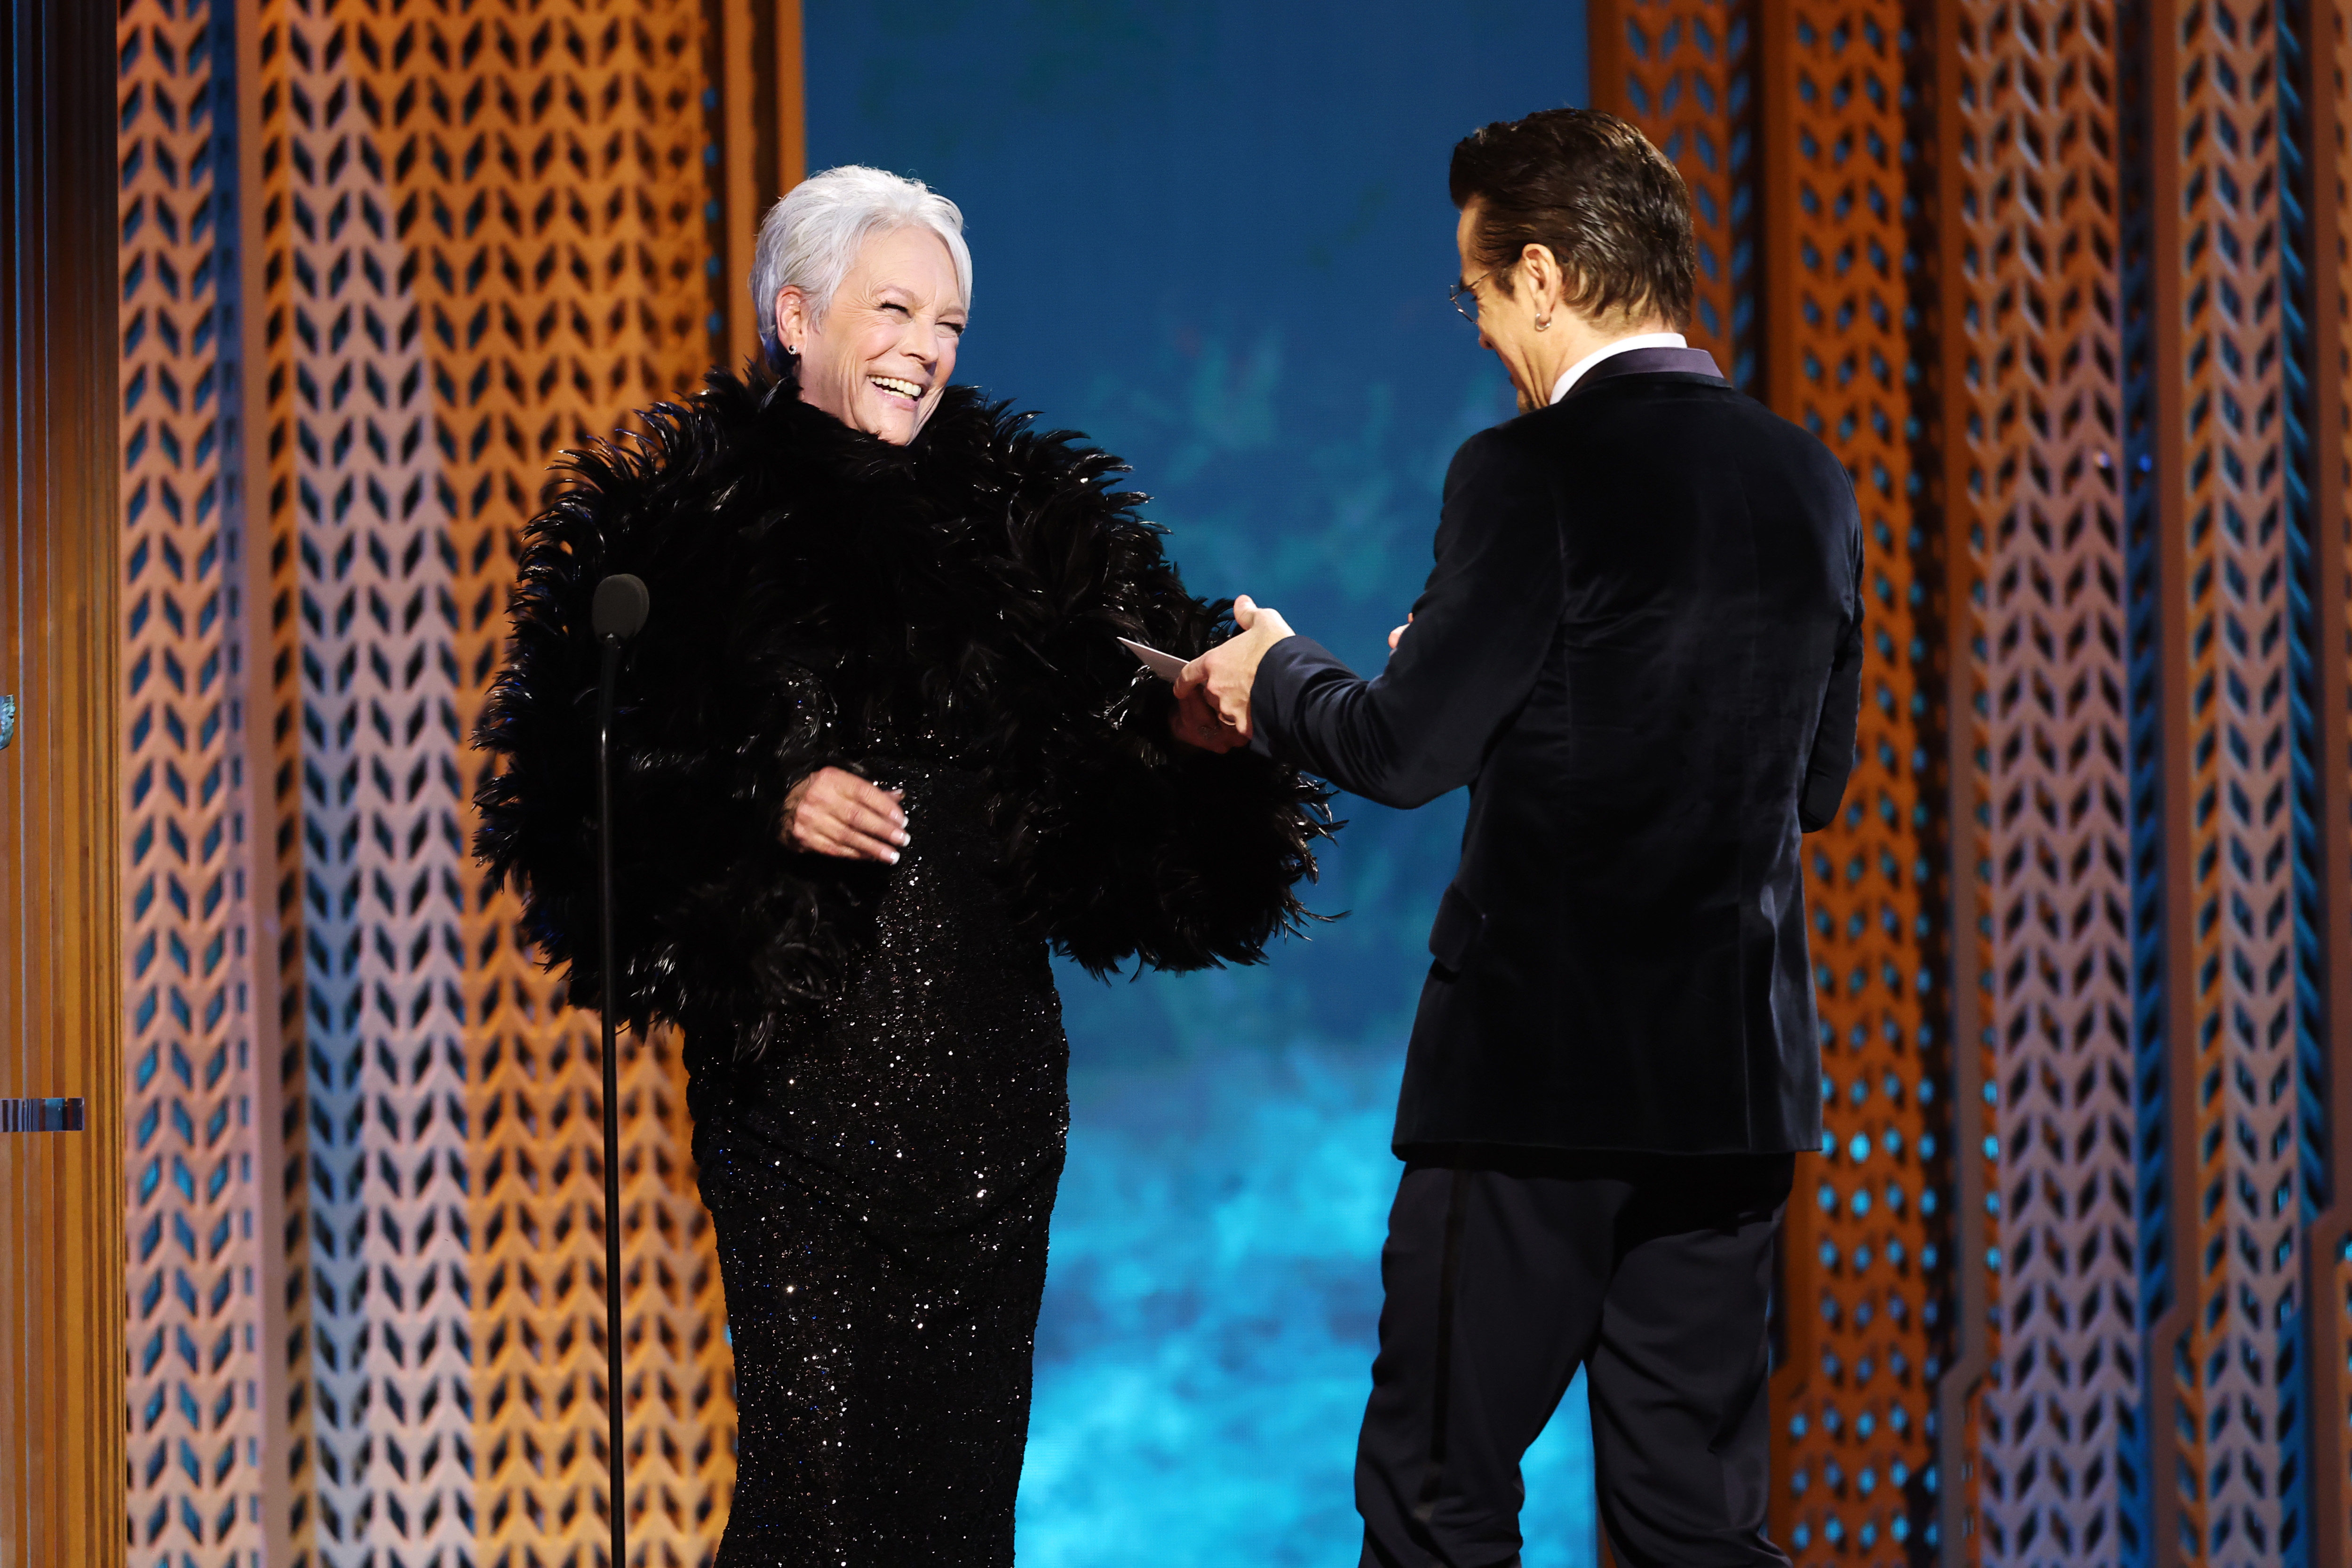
column 881, row 355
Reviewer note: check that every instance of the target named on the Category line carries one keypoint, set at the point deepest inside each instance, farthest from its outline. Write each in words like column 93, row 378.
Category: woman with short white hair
column 880, row 749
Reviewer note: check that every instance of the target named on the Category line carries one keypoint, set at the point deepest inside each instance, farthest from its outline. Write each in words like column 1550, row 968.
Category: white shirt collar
column 1575, row 373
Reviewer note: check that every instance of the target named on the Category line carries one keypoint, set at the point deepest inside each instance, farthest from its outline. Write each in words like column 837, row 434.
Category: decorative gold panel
column 383, row 261
column 201, row 1252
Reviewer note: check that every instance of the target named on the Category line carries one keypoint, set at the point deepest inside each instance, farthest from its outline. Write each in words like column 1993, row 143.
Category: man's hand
column 1226, row 673
column 834, row 812
column 1397, row 635
column 1195, row 722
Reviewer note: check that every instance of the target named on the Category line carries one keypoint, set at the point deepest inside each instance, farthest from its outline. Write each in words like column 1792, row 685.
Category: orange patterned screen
column 2061, row 284
column 383, row 261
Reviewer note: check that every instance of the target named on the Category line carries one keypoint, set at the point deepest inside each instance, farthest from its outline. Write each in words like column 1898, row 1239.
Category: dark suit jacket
column 1641, row 649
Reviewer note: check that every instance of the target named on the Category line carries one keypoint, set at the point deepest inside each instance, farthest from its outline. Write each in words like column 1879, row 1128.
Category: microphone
column 620, row 607
column 618, row 613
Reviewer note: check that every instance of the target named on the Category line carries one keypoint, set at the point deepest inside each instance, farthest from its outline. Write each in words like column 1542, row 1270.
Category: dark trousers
column 1504, row 1273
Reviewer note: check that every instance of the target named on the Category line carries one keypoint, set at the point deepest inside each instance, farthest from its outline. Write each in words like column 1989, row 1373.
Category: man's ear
column 1547, row 281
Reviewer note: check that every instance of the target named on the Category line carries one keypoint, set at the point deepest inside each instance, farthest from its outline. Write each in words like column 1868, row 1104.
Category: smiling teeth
column 907, row 389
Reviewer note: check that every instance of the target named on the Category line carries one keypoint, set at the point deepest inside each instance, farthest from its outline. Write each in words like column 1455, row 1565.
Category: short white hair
column 811, row 238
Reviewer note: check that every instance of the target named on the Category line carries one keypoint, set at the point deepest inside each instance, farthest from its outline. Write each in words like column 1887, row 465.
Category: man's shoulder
column 1501, row 451
column 1661, row 418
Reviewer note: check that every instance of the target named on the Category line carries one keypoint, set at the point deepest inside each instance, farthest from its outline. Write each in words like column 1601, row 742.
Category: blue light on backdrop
column 1215, row 237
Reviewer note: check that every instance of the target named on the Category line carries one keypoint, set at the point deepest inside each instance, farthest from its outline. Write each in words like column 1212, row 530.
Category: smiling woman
column 865, row 283
column 879, row 749
column 879, row 357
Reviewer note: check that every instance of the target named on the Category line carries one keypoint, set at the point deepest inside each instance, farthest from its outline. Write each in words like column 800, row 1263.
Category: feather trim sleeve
column 1126, row 844
column 719, row 924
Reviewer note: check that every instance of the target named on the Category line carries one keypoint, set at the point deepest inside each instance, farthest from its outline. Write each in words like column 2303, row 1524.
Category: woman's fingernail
column 894, row 856
column 903, row 840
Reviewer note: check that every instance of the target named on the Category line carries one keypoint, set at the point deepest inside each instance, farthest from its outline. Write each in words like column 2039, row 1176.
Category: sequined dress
column 880, row 1188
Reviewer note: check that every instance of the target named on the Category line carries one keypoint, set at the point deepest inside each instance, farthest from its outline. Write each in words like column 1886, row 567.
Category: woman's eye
column 955, row 327
column 894, row 305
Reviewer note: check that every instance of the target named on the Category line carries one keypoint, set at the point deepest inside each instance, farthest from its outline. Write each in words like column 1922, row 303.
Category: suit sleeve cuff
column 1274, row 695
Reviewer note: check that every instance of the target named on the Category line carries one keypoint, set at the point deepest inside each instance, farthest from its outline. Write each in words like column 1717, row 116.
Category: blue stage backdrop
column 1215, row 237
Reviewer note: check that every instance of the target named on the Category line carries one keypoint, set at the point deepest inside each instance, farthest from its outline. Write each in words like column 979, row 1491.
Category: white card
column 1166, row 666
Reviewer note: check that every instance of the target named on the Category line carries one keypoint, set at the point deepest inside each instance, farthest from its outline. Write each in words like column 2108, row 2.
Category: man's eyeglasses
column 1464, row 297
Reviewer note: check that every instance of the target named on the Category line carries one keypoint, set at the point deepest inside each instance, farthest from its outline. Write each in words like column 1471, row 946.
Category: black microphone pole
column 620, row 610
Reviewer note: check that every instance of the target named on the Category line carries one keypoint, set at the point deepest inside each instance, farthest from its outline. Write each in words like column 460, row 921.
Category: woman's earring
column 1542, row 322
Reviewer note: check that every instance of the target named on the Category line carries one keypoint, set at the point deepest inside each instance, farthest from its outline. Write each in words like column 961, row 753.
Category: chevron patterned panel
column 1686, row 74
column 381, row 1164
column 2042, row 485
column 2331, row 1258
column 1865, row 1242
column 2256, row 1162
column 553, row 187
column 474, row 234
column 199, row 1259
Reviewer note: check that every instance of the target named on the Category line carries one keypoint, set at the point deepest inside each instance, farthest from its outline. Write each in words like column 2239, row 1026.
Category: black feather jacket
column 817, row 595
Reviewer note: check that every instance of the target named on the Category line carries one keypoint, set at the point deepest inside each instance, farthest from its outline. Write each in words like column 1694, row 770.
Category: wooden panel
column 765, row 141
column 196, row 1027
column 61, row 1442
column 2035, row 493
column 471, row 239
column 792, row 97
column 746, row 173
column 2329, row 1271
column 1967, row 808
column 1867, row 1238
column 1684, row 71
column 549, row 181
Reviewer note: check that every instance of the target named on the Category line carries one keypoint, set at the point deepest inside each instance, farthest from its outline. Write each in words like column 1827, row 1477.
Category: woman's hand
column 1195, row 722
column 1397, row 635
column 834, row 812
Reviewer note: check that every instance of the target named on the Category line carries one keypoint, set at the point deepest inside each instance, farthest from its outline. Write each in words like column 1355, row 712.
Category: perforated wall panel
column 200, row 1257
column 1686, row 73
column 2041, row 485
column 1864, row 1240
column 383, row 262
column 2249, row 1161
column 2113, row 237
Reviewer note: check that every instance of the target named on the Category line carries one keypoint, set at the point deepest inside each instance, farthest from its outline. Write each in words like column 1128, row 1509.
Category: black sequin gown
column 881, row 1185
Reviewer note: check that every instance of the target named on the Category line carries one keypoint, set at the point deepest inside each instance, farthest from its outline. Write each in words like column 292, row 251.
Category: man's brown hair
column 1614, row 212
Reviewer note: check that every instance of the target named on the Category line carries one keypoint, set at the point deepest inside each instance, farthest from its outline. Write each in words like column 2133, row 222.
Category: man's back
column 1634, row 835
column 1620, row 962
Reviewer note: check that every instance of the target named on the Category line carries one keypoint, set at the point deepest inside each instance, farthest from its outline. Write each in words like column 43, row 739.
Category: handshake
column 1213, row 692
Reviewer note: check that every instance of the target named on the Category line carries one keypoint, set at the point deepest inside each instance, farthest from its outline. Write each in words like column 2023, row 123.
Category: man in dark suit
column 1640, row 648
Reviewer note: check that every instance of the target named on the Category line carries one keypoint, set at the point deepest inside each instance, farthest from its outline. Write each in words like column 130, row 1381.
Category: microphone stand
column 618, row 1469
column 620, row 609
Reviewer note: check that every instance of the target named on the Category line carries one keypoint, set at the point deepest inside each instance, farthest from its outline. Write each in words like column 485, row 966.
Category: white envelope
column 1166, row 666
